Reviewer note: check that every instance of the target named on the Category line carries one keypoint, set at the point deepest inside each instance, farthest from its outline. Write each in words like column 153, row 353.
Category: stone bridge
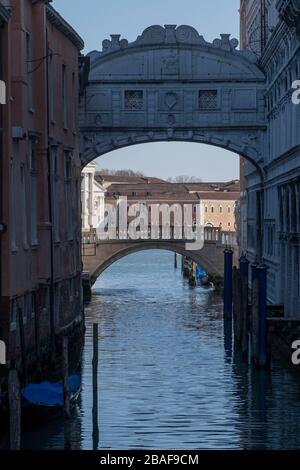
column 98, row 255
column 172, row 85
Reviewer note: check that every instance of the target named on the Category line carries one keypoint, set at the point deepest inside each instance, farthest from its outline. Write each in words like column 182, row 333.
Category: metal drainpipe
column 51, row 299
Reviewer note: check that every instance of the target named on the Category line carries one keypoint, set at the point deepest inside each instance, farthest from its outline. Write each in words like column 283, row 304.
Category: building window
column 75, row 105
column 51, row 88
column 212, row 210
column 229, row 210
column 33, row 305
column 64, row 96
column 208, row 99
column 13, row 315
column 221, row 209
column 29, row 70
column 56, row 195
column 229, row 224
column 206, row 209
column 270, row 239
column 71, row 289
column 23, row 207
column 57, row 304
column 68, row 194
column 33, row 192
column 13, row 224
column 134, row 100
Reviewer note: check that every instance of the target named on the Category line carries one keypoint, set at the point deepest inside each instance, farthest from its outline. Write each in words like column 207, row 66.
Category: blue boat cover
column 200, row 273
column 50, row 393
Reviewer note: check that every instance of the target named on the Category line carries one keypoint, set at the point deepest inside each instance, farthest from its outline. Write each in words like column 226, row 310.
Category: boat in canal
column 45, row 400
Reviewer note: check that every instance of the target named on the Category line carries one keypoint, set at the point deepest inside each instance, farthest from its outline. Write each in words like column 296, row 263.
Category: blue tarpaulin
column 50, row 393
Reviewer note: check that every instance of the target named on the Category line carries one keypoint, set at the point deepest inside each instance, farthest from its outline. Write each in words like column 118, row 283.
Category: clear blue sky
column 95, row 20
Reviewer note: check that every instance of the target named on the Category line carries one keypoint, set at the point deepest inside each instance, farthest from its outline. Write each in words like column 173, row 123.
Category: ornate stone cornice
column 289, row 11
column 4, row 14
column 58, row 21
column 172, row 34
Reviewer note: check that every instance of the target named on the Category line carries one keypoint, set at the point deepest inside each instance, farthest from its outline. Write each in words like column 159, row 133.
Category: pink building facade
column 41, row 174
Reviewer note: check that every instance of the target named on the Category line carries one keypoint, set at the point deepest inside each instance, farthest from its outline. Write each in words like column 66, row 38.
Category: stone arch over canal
column 170, row 84
column 98, row 255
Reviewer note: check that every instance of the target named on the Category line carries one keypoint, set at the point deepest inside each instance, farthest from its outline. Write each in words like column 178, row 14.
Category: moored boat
column 46, row 399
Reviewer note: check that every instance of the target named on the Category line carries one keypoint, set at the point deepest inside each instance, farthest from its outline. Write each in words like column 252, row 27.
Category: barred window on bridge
column 134, row 100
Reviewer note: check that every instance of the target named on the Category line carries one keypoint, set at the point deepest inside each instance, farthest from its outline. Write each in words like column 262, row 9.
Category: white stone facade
column 92, row 198
column 280, row 202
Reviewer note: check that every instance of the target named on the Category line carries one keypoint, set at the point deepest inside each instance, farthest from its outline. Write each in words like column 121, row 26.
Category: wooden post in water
column 238, row 322
column 228, row 259
column 262, row 301
column 22, row 344
column 244, row 273
column 95, row 386
column 14, row 397
column 255, row 321
column 65, row 373
column 234, row 298
column 244, row 314
column 175, row 260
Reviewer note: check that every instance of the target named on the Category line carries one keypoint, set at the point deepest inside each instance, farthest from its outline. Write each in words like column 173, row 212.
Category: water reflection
column 168, row 374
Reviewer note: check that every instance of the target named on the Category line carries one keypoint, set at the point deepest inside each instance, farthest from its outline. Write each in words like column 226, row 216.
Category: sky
column 95, row 20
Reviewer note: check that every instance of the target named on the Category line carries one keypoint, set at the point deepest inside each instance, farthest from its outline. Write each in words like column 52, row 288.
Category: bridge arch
column 106, row 253
column 172, row 85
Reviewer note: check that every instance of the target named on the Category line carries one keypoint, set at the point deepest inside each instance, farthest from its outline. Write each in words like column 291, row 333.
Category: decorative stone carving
column 170, row 34
column 190, row 35
column 170, row 64
column 171, row 120
column 171, row 99
column 98, row 120
column 226, row 43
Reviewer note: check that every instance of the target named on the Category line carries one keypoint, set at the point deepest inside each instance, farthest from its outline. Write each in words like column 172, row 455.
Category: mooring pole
column 65, row 373
column 244, row 269
column 95, row 386
column 14, row 398
column 175, row 261
column 262, row 303
column 228, row 258
column 22, row 344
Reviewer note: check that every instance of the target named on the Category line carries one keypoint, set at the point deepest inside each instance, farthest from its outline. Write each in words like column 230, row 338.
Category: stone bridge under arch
column 170, row 84
column 98, row 255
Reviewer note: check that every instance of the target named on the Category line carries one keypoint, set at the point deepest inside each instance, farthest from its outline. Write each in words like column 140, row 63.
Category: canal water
column 168, row 376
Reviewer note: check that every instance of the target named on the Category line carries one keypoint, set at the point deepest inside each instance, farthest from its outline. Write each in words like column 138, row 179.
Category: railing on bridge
column 211, row 234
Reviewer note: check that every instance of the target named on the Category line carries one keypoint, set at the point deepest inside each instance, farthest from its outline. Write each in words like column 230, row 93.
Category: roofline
column 62, row 25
